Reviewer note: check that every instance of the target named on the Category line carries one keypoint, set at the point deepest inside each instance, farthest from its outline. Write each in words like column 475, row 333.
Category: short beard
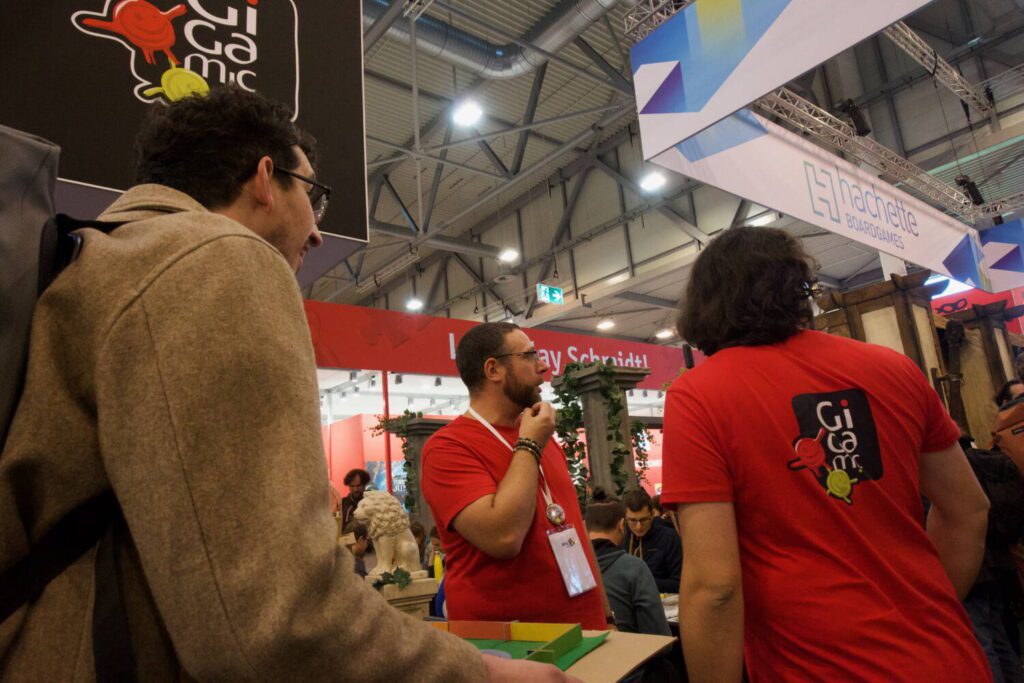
column 523, row 395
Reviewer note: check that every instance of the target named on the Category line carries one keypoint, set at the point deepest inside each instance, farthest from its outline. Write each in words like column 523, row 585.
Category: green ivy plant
column 614, row 400
column 568, row 423
column 399, row 426
column 641, row 437
column 399, row 577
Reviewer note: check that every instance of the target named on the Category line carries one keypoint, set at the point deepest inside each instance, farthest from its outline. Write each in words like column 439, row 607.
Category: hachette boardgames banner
column 82, row 73
column 717, row 56
column 751, row 157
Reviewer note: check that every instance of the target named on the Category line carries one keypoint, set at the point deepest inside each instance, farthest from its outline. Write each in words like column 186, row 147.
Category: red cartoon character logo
column 144, row 28
column 143, row 25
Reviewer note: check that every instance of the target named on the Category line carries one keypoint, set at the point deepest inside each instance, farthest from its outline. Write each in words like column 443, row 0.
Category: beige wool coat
column 173, row 363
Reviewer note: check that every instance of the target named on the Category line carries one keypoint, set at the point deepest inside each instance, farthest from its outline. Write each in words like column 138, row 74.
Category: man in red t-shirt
column 497, row 485
column 796, row 461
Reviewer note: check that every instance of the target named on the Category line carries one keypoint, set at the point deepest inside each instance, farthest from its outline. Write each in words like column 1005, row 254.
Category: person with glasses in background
column 653, row 541
column 500, row 493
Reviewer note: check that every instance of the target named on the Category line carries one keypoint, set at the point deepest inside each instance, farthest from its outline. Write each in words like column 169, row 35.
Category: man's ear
column 621, row 527
column 262, row 184
column 492, row 369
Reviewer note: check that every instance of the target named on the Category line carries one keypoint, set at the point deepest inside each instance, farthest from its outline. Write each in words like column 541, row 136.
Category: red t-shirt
column 816, row 442
column 464, row 462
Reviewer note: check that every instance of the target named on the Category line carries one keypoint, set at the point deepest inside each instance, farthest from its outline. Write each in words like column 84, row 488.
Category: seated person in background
column 628, row 580
column 655, row 543
column 996, row 585
column 433, row 550
column 356, row 539
column 420, row 534
column 356, row 480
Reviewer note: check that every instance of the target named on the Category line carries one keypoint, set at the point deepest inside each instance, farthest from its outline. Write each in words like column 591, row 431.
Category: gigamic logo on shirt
column 185, row 48
column 838, row 442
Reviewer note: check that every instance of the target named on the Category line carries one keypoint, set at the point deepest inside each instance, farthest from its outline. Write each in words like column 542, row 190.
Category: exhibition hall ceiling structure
column 504, row 151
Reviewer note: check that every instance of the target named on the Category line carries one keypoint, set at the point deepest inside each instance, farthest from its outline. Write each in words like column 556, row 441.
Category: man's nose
column 315, row 238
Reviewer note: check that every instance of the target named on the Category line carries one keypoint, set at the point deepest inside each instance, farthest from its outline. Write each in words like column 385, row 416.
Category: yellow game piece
column 177, row 83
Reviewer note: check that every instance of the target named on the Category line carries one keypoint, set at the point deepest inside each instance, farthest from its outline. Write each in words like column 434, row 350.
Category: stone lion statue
column 387, row 525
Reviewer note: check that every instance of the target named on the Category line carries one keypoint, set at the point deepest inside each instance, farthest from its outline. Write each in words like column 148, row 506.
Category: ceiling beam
column 531, row 111
column 381, row 26
column 609, row 70
column 677, row 219
column 647, row 299
column 449, row 244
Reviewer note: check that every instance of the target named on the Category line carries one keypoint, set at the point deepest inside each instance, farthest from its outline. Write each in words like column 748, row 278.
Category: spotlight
column 398, row 379
column 467, row 113
column 508, row 255
column 971, row 188
column 857, row 118
column 644, row 393
column 652, row 182
column 352, row 376
column 606, row 324
column 414, row 304
column 664, row 334
column 437, row 381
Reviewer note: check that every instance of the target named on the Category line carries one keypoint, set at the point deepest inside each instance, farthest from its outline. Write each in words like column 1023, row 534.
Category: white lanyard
column 545, row 489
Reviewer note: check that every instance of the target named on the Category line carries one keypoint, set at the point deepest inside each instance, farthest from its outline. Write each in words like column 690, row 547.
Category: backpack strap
column 68, row 540
column 97, row 520
column 59, row 245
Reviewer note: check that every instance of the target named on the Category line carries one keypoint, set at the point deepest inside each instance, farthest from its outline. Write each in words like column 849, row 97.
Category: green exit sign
column 549, row 294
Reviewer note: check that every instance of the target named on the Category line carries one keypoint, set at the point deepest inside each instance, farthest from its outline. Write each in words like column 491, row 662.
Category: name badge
column 572, row 561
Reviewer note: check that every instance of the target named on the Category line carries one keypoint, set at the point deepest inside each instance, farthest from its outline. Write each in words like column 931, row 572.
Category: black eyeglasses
column 528, row 355
column 319, row 194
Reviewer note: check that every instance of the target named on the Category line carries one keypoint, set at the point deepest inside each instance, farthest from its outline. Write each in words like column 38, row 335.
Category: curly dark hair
column 749, row 287
column 362, row 475
column 207, row 147
column 481, row 342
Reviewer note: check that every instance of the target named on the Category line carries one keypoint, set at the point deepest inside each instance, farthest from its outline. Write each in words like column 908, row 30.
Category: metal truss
column 648, row 15
column 998, row 207
column 925, row 55
column 836, row 133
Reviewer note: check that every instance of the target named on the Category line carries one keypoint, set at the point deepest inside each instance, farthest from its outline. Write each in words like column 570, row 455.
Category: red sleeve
column 694, row 469
column 452, row 477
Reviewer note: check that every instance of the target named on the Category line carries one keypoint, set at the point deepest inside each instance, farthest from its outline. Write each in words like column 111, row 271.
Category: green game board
column 519, row 649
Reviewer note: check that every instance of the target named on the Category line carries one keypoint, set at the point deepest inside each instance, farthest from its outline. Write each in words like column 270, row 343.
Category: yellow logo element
column 840, row 485
column 177, row 83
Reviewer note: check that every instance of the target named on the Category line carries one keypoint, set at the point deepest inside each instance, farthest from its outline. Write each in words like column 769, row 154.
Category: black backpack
column 36, row 244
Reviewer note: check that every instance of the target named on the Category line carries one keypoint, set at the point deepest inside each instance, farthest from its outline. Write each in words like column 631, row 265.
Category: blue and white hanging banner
column 751, row 157
column 717, row 56
column 1002, row 256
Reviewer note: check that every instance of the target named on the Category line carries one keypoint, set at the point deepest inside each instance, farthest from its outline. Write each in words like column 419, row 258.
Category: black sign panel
column 82, row 73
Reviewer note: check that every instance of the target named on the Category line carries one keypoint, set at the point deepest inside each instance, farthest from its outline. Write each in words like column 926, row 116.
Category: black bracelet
column 530, row 446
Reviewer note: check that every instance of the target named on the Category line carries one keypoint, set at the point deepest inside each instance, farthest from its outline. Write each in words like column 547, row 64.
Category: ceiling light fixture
column 606, row 324
column 763, row 220
column 467, row 113
column 414, row 304
column 664, row 334
column 508, row 255
column 653, row 181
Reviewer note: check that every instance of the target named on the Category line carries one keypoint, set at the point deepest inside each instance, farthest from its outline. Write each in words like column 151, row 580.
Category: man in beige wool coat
column 172, row 363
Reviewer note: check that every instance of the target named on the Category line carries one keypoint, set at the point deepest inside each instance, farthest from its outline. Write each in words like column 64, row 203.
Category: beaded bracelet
column 530, row 446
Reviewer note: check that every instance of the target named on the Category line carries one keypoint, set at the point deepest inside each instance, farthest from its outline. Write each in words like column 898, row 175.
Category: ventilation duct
column 558, row 28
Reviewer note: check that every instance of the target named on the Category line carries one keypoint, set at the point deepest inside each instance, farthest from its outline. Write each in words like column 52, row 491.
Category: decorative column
column 420, row 429
column 897, row 314
column 986, row 362
column 595, row 421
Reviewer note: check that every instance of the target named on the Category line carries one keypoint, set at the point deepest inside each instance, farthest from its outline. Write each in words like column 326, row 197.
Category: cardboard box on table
column 617, row 656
